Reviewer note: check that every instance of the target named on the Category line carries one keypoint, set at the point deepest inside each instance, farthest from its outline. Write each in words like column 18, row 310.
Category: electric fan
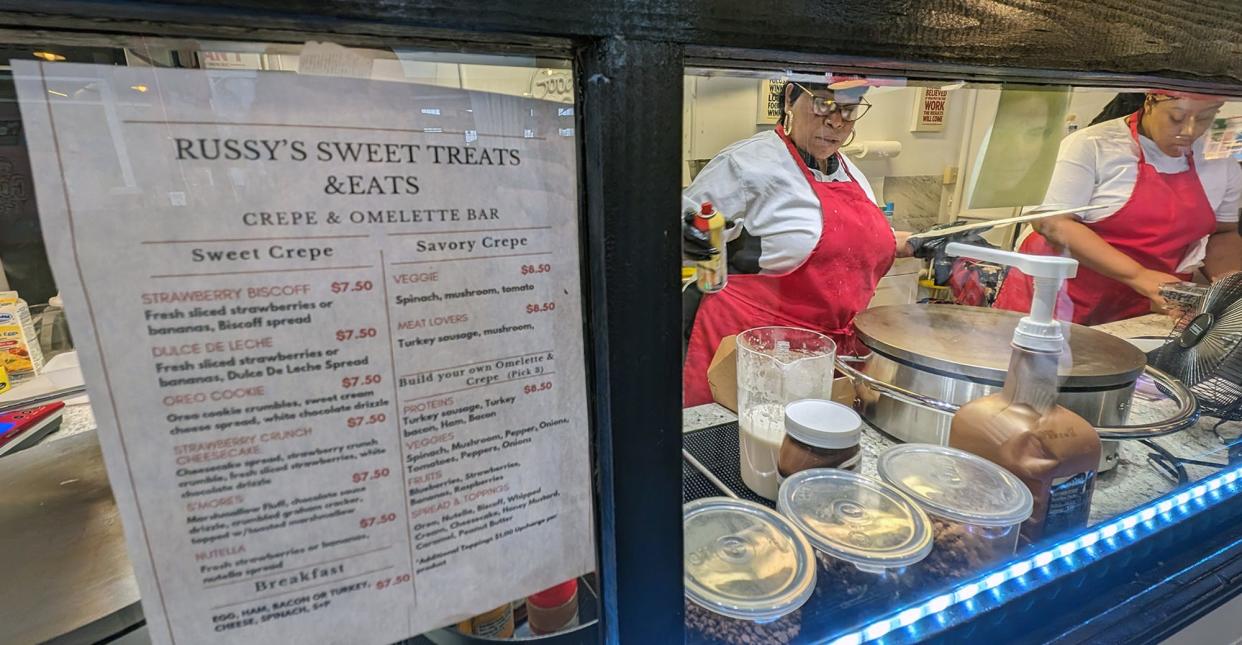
column 1204, row 350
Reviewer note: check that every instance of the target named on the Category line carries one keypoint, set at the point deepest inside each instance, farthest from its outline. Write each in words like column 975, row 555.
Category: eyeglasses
column 849, row 112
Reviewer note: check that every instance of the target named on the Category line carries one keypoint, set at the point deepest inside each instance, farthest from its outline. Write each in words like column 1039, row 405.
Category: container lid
column 975, row 342
column 554, row 596
column 956, row 485
column 856, row 518
column 823, row 424
column 743, row 560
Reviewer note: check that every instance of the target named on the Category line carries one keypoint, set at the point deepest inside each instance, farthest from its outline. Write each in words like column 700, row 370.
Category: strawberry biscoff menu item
column 333, row 336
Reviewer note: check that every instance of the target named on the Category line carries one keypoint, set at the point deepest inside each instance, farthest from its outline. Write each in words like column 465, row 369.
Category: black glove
column 933, row 248
column 929, row 248
column 695, row 244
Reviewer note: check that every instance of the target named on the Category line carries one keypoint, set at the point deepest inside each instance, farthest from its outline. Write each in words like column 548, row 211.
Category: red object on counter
column 554, row 609
column 554, row 596
column 21, row 429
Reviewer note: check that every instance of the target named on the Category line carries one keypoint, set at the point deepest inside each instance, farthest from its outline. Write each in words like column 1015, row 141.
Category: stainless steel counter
column 67, row 577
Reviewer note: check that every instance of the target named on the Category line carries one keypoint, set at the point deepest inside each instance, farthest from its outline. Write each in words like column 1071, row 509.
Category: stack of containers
column 935, row 513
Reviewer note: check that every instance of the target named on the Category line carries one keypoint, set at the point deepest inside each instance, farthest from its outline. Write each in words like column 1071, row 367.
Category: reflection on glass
column 1021, row 148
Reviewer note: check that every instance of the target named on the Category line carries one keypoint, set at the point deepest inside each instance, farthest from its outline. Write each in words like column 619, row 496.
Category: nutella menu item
column 332, row 331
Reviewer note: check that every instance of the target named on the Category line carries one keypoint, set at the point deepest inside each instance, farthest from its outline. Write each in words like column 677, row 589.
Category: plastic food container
column 745, row 561
column 855, row 519
column 976, row 506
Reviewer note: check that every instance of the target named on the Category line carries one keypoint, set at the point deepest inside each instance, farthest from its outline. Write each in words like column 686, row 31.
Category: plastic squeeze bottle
column 713, row 273
column 1052, row 450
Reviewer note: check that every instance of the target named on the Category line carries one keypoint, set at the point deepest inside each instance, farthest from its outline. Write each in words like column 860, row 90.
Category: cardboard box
column 722, row 377
column 722, row 373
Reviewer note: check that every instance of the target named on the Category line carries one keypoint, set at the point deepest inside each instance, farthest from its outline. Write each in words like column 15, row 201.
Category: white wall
column 922, row 153
column 720, row 110
column 723, row 110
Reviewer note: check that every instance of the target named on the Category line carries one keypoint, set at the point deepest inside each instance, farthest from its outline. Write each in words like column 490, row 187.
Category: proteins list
column 337, row 365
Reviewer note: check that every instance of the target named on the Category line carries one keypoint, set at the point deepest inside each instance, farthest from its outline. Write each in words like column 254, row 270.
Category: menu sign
column 333, row 335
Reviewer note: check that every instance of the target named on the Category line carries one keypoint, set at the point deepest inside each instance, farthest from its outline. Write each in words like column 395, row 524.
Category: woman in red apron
column 1127, row 256
column 837, row 279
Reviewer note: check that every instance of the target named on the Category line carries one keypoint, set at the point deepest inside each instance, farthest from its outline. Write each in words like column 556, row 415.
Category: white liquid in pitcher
column 761, row 431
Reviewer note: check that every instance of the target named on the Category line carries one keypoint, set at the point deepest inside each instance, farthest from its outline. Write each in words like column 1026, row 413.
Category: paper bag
column 722, row 373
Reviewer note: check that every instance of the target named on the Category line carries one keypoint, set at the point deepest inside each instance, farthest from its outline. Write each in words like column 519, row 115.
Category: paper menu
column 332, row 330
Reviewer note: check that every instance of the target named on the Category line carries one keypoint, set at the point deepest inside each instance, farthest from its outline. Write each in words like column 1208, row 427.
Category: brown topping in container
column 796, row 456
column 742, row 632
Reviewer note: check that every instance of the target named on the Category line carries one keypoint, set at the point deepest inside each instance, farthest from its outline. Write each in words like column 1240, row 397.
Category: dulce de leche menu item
column 332, row 331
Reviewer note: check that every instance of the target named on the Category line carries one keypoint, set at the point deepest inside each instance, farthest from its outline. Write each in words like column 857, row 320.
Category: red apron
column 835, row 282
column 1164, row 216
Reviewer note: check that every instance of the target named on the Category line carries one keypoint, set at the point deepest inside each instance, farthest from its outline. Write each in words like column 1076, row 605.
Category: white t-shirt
column 757, row 183
column 1099, row 165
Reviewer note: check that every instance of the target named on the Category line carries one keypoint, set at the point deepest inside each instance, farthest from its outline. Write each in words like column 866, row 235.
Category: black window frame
column 629, row 60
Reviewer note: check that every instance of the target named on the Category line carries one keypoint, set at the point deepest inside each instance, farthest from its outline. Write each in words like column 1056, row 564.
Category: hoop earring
column 788, row 123
column 850, row 140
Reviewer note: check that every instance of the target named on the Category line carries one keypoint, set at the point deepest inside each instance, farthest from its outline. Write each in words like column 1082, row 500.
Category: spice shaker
column 495, row 623
column 553, row 609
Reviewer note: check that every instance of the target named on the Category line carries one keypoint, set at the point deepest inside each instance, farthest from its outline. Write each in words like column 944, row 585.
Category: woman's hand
column 1148, row 282
column 904, row 249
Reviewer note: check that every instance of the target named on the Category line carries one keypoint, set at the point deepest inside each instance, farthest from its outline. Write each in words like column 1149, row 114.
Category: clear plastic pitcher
column 775, row 366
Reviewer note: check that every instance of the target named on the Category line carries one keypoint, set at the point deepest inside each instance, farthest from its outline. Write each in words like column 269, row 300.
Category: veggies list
column 333, row 336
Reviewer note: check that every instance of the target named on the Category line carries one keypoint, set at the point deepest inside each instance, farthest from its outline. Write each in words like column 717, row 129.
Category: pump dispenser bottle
column 1052, row 450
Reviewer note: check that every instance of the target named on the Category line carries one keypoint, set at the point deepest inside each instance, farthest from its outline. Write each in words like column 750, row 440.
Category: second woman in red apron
column 812, row 243
column 1175, row 204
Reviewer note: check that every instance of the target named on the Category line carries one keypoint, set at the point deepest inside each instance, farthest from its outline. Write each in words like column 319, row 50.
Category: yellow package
column 20, row 355
column 4, row 380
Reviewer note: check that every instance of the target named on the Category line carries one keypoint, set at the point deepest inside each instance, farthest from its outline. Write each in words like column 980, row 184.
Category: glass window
column 818, row 209
column 327, row 306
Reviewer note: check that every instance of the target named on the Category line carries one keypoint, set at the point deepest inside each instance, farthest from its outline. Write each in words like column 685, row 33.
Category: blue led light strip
column 1040, row 568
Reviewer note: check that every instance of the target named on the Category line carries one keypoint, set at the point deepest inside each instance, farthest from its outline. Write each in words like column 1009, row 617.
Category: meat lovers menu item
column 332, row 330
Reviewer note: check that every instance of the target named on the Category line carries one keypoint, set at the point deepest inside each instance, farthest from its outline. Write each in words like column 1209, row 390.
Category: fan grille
column 1209, row 361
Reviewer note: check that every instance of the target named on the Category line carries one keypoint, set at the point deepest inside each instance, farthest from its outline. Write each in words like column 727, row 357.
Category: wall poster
column 929, row 110
column 333, row 335
column 771, row 101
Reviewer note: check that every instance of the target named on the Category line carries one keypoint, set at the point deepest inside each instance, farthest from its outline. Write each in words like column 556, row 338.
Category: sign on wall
column 332, row 330
column 771, row 101
column 929, row 110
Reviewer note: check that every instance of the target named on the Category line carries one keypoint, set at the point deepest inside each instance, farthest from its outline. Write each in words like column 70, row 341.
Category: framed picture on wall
column 771, row 99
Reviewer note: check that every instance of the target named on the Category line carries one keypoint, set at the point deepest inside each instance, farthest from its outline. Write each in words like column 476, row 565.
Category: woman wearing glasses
column 1175, row 210
column 808, row 244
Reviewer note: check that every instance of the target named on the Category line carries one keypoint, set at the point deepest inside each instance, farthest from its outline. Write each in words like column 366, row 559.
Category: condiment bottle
column 712, row 273
column 496, row 623
column 819, row 434
column 553, row 609
column 1052, row 450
